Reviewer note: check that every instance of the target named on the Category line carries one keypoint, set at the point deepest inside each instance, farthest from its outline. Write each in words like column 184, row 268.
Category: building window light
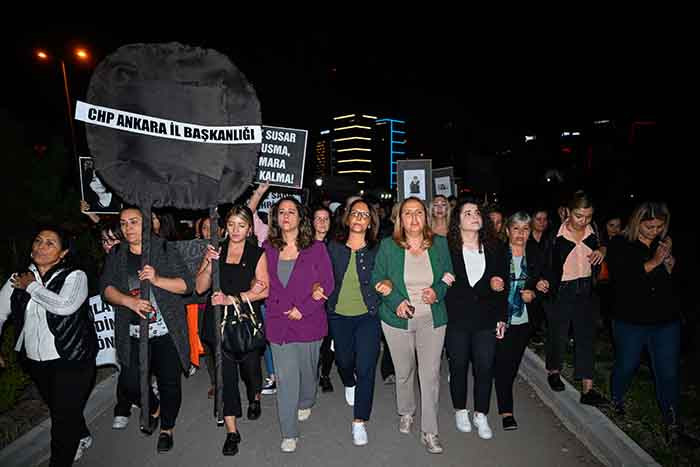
column 362, row 138
column 362, row 127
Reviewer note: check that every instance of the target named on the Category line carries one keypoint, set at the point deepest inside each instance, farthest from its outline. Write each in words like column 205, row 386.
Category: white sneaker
column 359, row 434
column 83, row 446
column 289, row 445
column 405, row 423
column 303, row 415
column 482, row 425
column 350, row 395
column 119, row 422
column 462, row 421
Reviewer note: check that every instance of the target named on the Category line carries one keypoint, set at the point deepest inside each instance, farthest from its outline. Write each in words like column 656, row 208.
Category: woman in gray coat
column 167, row 330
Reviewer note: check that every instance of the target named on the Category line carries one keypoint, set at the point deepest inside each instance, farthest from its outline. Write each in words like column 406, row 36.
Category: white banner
column 161, row 128
column 104, row 325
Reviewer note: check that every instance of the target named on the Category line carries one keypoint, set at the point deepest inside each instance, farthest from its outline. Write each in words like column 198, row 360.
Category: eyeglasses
column 107, row 241
column 360, row 214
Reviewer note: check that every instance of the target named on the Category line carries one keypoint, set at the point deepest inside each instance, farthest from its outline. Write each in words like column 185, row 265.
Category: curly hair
column 487, row 237
column 305, row 238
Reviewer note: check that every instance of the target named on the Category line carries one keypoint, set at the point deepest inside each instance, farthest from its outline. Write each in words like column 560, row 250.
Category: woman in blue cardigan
column 352, row 311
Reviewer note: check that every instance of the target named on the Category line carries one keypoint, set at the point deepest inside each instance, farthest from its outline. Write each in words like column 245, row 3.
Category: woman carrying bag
column 243, row 274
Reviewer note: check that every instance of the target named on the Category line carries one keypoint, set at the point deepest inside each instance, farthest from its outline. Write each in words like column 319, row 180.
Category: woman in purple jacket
column 301, row 277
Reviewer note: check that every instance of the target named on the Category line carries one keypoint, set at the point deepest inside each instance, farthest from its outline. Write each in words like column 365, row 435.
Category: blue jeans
column 269, row 365
column 663, row 342
column 356, row 353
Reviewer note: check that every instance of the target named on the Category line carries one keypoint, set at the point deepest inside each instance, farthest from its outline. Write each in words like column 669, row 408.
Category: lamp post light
column 80, row 54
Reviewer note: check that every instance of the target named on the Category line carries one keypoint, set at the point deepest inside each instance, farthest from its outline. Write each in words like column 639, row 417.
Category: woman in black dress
column 243, row 274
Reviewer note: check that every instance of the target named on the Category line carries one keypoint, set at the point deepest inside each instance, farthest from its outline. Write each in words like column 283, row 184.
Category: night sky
column 490, row 87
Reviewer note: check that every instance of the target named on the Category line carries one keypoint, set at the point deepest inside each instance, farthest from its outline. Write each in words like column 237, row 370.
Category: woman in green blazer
column 412, row 271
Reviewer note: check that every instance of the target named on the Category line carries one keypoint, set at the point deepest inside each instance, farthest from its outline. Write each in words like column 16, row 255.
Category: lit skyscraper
column 390, row 146
column 353, row 148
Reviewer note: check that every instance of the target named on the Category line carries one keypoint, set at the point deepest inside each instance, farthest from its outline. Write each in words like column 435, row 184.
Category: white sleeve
column 5, row 309
column 72, row 295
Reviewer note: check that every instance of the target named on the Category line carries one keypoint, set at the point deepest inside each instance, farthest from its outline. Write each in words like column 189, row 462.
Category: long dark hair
column 372, row 230
column 306, row 231
column 487, row 239
column 168, row 230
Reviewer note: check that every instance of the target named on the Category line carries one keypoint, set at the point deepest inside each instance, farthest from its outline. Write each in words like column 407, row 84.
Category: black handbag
column 241, row 331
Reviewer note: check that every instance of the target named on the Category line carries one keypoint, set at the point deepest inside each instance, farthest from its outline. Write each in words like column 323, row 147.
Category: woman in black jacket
column 352, row 311
column 525, row 266
column 476, row 312
column 167, row 330
column 57, row 331
column 574, row 255
column 646, row 311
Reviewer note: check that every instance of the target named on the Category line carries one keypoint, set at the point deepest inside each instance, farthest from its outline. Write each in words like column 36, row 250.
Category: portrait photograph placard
column 444, row 181
column 415, row 179
column 95, row 192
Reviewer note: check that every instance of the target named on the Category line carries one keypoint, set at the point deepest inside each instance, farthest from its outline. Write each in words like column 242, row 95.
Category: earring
column 31, row 255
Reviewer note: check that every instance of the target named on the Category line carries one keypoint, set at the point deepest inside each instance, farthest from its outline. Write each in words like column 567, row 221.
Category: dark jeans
column 356, row 353
column 325, row 362
column 250, row 369
column 387, row 365
column 65, row 387
column 509, row 353
column 574, row 304
column 663, row 343
column 166, row 366
column 479, row 349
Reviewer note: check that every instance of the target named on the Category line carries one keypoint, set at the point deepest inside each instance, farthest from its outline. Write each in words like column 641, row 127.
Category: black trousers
column 166, row 367
column 327, row 356
column 479, row 349
column 573, row 305
column 250, row 370
column 536, row 315
column 65, row 387
column 509, row 353
column 123, row 407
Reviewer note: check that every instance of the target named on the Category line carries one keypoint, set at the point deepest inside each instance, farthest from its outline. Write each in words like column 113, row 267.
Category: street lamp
column 80, row 54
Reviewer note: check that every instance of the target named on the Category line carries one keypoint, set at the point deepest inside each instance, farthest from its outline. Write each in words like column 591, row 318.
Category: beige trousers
column 421, row 339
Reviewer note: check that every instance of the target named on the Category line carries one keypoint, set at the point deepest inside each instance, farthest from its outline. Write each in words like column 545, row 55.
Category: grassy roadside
column 643, row 422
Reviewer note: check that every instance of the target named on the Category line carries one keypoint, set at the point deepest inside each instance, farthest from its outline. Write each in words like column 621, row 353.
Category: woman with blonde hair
column 440, row 215
column 244, row 278
column 646, row 312
column 408, row 271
